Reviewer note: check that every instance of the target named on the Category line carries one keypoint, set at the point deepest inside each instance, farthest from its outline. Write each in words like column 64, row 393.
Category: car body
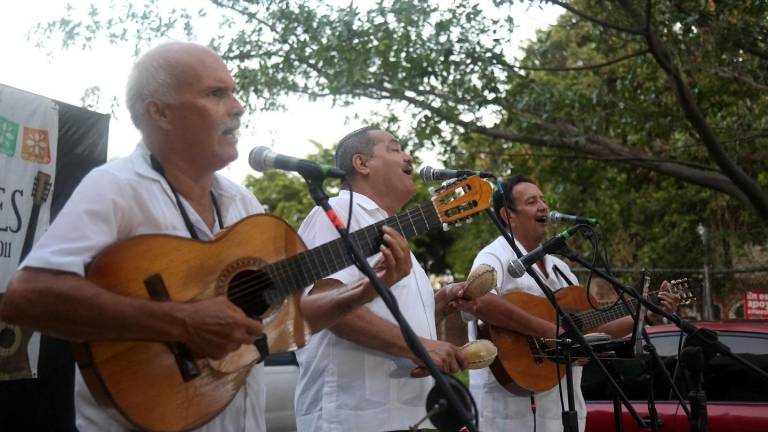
column 281, row 372
column 737, row 399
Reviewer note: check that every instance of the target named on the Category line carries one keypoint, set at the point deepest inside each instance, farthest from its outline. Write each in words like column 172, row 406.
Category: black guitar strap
column 187, row 221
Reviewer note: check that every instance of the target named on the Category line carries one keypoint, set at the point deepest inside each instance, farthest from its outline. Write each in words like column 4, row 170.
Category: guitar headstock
column 681, row 288
column 462, row 199
column 41, row 188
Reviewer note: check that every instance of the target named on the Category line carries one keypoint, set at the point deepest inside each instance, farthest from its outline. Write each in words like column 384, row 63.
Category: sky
column 65, row 75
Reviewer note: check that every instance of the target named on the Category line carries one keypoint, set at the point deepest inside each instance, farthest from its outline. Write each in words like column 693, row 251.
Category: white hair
column 154, row 76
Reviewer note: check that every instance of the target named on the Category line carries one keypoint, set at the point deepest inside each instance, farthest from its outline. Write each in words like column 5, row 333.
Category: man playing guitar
column 524, row 212
column 182, row 98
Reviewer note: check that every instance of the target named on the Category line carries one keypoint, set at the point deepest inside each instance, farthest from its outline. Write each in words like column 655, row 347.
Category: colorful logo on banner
column 28, row 140
column 8, row 133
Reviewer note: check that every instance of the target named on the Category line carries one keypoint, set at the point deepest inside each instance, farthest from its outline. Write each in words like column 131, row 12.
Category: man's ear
column 507, row 216
column 157, row 113
column 360, row 164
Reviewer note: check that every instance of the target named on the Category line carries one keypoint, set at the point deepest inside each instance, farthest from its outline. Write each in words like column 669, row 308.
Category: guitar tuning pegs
column 446, row 227
column 431, row 190
column 458, row 224
column 469, row 220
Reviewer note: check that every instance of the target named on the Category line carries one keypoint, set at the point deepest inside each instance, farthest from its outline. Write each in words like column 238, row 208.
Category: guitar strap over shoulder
column 562, row 275
column 187, row 221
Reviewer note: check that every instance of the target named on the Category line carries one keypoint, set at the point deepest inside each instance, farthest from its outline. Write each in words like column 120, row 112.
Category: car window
column 724, row 379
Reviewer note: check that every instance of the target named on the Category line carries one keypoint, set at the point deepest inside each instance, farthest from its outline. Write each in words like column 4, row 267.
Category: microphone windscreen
column 426, row 173
column 257, row 158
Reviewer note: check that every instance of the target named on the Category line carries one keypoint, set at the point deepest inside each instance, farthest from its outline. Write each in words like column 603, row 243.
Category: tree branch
column 758, row 198
column 729, row 74
column 582, row 68
column 597, row 21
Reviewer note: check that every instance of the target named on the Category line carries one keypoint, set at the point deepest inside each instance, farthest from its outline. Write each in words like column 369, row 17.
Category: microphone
column 262, row 158
column 517, row 267
column 429, row 174
column 557, row 217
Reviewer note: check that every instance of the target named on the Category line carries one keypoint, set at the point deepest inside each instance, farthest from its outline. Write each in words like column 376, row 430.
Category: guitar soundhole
column 7, row 338
column 252, row 291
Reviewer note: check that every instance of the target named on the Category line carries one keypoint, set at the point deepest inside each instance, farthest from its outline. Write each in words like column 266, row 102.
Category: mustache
column 231, row 125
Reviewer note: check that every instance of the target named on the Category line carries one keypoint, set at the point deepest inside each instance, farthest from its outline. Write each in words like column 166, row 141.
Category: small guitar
column 262, row 266
column 521, row 366
column 14, row 360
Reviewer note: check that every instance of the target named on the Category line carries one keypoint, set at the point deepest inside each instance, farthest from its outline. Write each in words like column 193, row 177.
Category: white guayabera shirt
column 499, row 409
column 347, row 387
column 122, row 199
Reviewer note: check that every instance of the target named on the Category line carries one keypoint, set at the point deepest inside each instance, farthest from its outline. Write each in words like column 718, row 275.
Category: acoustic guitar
column 262, row 266
column 521, row 366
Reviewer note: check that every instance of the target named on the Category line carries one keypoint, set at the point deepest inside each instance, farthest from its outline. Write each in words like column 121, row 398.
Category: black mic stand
column 693, row 358
column 445, row 390
column 653, row 421
column 570, row 417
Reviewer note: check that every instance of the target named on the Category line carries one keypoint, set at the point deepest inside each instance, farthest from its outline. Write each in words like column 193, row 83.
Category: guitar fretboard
column 589, row 320
column 305, row 268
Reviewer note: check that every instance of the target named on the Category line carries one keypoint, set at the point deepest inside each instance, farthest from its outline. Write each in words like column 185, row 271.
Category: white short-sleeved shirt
column 499, row 409
column 122, row 199
column 343, row 386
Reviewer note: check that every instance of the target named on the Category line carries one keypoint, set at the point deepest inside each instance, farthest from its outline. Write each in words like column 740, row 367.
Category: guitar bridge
column 184, row 360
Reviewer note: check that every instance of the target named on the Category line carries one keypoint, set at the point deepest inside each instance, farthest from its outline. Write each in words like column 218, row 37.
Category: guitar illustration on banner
column 14, row 360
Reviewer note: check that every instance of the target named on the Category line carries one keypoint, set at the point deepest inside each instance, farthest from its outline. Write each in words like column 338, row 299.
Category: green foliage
column 586, row 110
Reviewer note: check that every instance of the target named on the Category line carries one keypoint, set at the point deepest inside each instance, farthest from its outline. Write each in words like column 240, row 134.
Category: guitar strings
column 596, row 318
column 261, row 281
column 294, row 272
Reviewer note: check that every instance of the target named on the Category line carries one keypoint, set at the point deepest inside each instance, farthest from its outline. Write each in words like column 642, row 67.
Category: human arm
column 369, row 330
column 68, row 306
column 323, row 308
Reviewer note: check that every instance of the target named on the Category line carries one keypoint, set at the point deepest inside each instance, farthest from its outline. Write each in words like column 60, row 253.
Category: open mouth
column 408, row 169
column 542, row 219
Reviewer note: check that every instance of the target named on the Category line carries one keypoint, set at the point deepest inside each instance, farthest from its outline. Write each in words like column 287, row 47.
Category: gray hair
column 154, row 76
column 357, row 142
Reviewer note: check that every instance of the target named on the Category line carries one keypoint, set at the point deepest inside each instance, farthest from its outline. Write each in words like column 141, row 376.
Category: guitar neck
column 303, row 269
column 589, row 320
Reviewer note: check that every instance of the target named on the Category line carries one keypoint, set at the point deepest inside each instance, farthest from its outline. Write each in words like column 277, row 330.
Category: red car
column 737, row 400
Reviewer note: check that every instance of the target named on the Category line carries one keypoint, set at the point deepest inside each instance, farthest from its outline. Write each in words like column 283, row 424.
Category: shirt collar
column 143, row 167
column 360, row 200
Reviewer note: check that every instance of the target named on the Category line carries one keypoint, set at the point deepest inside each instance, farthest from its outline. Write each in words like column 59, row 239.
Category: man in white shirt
column 356, row 375
column 182, row 98
column 524, row 212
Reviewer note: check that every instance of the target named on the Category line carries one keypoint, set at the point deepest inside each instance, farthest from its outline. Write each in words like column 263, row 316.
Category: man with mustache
column 356, row 375
column 182, row 98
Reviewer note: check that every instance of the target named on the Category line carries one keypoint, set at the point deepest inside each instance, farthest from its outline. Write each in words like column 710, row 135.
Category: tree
column 612, row 96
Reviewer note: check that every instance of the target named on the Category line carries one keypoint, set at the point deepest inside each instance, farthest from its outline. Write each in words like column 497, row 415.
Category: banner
column 29, row 130
column 756, row 305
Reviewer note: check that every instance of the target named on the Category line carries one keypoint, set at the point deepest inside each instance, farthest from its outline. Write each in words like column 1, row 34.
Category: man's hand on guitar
column 215, row 327
column 395, row 262
column 669, row 302
column 446, row 356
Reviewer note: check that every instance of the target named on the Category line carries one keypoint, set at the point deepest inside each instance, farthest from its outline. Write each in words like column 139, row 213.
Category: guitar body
column 141, row 379
column 518, row 367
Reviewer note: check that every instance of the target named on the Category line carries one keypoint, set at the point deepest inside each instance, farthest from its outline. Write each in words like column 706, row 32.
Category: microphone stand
column 314, row 184
column 570, row 418
column 693, row 358
column 703, row 337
